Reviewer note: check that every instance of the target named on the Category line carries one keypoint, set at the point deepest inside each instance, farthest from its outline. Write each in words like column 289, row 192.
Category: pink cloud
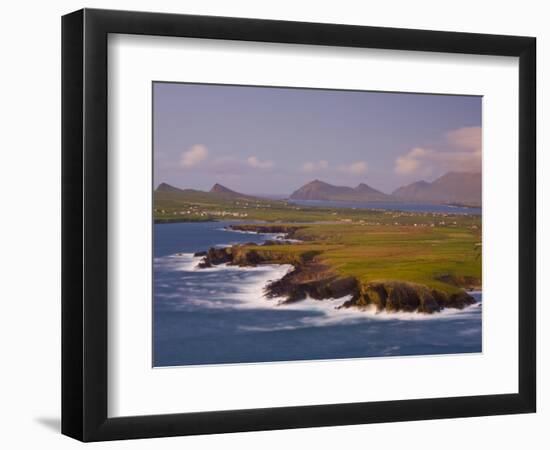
column 355, row 168
column 253, row 161
column 315, row 166
column 194, row 156
column 462, row 154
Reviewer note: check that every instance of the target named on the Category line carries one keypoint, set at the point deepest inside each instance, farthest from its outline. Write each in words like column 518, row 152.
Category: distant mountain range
column 217, row 192
column 452, row 188
column 458, row 188
column 319, row 190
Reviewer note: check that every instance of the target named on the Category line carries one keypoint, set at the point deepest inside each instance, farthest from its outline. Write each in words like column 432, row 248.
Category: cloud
column 315, row 166
column 233, row 165
column 355, row 168
column 194, row 156
column 461, row 153
column 253, row 161
column 410, row 162
column 467, row 138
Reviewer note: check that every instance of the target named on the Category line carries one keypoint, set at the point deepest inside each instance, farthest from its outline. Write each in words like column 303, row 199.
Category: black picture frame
column 84, row 224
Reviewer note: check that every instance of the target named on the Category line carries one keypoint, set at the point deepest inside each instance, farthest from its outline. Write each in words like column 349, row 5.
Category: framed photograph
column 273, row 224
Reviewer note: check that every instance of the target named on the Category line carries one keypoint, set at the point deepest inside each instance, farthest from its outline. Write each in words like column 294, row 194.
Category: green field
column 193, row 205
column 446, row 258
column 440, row 251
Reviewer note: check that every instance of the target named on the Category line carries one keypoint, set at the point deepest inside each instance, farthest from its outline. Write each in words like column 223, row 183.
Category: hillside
column 216, row 194
column 220, row 189
column 174, row 204
column 319, row 190
column 377, row 266
column 459, row 188
column 452, row 188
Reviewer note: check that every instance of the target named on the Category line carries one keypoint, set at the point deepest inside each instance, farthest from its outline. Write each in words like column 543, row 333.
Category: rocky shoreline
column 311, row 278
column 288, row 230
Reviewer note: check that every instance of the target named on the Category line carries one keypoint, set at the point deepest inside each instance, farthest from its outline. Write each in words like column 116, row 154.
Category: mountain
column 216, row 193
column 366, row 189
column 452, row 188
column 219, row 189
column 168, row 189
column 319, row 190
column 165, row 187
column 413, row 192
column 231, row 194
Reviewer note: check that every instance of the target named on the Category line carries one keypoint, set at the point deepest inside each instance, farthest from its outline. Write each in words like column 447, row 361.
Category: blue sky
column 262, row 140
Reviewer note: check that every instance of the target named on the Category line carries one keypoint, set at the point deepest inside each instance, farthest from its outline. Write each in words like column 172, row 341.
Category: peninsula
column 402, row 268
column 390, row 260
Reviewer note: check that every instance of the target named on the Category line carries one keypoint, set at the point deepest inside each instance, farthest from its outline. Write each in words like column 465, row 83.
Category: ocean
column 220, row 316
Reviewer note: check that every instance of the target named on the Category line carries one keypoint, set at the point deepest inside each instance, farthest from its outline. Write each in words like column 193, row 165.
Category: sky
column 265, row 140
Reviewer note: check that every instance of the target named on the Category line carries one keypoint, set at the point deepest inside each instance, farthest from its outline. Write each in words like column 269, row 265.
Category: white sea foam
column 272, row 236
column 244, row 288
column 327, row 312
column 230, row 230
column 183, row 262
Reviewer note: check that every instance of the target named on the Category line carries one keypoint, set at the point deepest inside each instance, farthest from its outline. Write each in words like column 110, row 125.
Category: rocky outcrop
column 395, row 296
column 215, row 256
column 311, row 278
column 466, row 282
column 288, row 230
column 243, row 255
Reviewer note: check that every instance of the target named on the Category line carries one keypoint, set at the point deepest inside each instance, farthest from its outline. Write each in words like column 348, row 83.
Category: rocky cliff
column 311, row 278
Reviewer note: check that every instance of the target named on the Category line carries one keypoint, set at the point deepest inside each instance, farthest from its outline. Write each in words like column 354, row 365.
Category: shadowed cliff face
column 311, row 278
column 314, row 280
column 395, row 296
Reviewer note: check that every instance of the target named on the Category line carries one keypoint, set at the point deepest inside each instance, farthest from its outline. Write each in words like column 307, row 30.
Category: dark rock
column 311, row 278
column 460, row 300
column 215, row 256
column 396, row 296
column 440, row 297
column 466, row 282
column 288, row 230
column 253, row 258
column 269, row 242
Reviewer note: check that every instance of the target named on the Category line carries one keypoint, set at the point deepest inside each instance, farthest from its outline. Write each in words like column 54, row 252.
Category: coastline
column 311, row 278
column 165, row 221
column 220, row 315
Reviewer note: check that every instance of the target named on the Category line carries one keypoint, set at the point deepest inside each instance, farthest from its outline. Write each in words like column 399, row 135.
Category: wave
column 270, row 236
column 328, row 313
column 233, row 287
column 182, row 262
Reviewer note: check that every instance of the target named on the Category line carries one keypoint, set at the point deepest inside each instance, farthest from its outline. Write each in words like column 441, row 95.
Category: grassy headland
column 446, row 258
column 396, row 260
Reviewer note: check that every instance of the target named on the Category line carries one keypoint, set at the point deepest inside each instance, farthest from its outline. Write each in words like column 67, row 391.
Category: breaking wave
column 181, row 285
column 220, row 315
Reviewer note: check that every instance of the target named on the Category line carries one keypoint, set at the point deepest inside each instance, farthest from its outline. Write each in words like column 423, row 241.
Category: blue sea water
column 219, row 315
column 392, row 206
